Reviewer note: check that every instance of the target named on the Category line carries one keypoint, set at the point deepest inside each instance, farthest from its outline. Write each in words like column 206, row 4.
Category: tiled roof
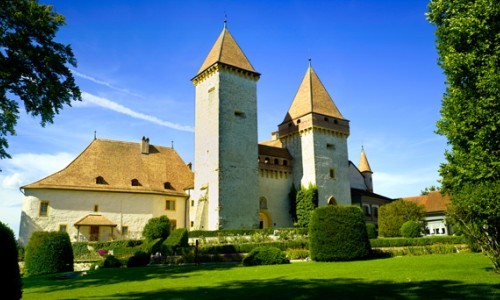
column 96, row 220
column 312, row 96
column 364, row 166
column 433, row 202
column 161, row 171
column 226, row 51
column 274, row 151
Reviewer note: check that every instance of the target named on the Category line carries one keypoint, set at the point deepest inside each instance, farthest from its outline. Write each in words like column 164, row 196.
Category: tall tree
column 33, row 67
column 468, row 44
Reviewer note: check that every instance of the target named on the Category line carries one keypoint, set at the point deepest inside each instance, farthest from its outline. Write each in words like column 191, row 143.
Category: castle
column 112, row 188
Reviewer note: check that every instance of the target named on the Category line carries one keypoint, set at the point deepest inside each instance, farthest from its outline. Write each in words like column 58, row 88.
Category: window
column 192, row 223
column 276, row 161
column 366, row 210
column 135, row 182
column 192, row 202
column 167, row 186
column 298, row 121
column 332, row 173
column 44, row 209
column 63, row 227
column 266, row 160
column 173, row 224
column 239, row 114
column 124, row 230
column 170, row 204
column 330, row 146
column 375, row 211
column 285, row 162
column 263, row 203
column 100, row 180
column 96, row 208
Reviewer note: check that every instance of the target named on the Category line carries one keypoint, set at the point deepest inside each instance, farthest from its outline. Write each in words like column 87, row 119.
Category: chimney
column 274, row 135
column 190, row 166
column 145, row 145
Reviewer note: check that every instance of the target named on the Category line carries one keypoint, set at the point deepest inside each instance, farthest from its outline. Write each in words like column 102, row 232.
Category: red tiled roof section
column 433, row 202
column 118, row 163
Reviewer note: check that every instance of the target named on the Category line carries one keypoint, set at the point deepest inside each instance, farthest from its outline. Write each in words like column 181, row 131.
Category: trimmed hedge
column 178, row 238
column 265, row 256
column 424, row 241
column 111, row 262
column 140, row 259
column 151, row 247
column 235, row 232
column 48, row 252
column 371, row 230
column 411, row 229
column 157, row 228
column 9, row 272
column 338, row 233
column 247, row 247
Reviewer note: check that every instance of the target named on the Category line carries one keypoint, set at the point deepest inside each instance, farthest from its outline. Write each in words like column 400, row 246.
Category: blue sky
column 377, row 59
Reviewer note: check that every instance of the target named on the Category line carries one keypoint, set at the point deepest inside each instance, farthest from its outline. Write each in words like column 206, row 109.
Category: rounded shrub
column 338, row 233
column 140, row 259
column 48, row 252
column 411, row 229
column 177, row 239
column 265, row 256
column 157, row 228
column 371, row 230
column 10, row 267
column 111, row 262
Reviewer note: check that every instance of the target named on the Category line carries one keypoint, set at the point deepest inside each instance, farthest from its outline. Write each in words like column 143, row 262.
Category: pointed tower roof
column 312, row 97
column 364, row 166
column 226, row 51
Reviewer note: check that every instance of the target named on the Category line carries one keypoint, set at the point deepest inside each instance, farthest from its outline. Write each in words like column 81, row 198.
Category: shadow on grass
column 324, row 289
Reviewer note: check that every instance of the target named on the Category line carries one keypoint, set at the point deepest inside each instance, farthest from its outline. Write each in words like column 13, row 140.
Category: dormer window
column 100, row 180
column 135, row 182
column 167, row 186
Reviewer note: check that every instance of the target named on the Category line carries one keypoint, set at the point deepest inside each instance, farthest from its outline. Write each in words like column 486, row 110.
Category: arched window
column 263, row 203
column 332, row 201
column 276, row 161
column 266, row 160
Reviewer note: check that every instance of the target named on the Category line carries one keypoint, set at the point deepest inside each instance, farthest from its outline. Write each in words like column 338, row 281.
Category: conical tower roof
column 312, row 97
column 364, row 166
column 226, row 51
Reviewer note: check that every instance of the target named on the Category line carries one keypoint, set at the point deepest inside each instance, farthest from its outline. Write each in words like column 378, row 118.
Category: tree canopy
column 468, row 44
column 393, row 215
column 33, row 67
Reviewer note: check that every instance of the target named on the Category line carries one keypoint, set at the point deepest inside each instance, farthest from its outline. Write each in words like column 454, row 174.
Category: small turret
column 366, row 171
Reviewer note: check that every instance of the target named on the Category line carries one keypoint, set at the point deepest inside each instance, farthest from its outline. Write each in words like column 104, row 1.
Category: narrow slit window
column 332, row 173
column 330, row 146
column 96, row 208
column 239, row 114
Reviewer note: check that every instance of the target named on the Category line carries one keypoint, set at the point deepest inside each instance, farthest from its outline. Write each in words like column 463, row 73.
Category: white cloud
column 104, row 83
column 111, row 105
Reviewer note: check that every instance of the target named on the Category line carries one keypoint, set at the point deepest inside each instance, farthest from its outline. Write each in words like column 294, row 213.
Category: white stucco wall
column 275, row 189
column 66, row 207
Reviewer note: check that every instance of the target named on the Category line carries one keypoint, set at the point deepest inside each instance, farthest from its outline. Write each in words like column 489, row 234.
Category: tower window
column 239, row 114
column 135, row 182
column 330, row 146
column 326, row 119
column 96, row 208
column 44, row 209
column 298, row 121
column 266, row 160
column 335, row 121
column 332, row 173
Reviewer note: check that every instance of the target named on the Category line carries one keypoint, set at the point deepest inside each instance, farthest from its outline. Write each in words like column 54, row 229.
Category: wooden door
column 94, row 233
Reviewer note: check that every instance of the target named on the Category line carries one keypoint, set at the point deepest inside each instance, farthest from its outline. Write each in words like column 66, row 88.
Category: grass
column 447, row 276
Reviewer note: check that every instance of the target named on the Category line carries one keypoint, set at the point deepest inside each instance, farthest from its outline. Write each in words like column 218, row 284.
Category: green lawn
column 450, row 276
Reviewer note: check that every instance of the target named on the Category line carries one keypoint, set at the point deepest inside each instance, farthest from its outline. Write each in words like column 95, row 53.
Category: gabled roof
column 364, row 166
column 118, row 163
column 274, row 151
column 226, row 51
column 433, row 202
column 312, row 97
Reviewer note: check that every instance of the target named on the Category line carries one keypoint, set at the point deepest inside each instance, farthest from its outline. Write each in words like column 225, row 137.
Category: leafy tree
column 32, row 65
column 11, row 277
column 157, row 228
column 429, row 189
column 307, row 201
column 468, row 39
column 393, row 215
column 411, row 229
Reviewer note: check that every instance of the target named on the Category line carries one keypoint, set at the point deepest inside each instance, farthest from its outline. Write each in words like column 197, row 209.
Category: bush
column 48, row 252
column 265, row 256
column 393, row 215
column 9, row 271
column 157, row 228
column 178, row 238
column 140, row 259
column 244, row 232
column 297, row 253
column 411, row 229
column 423, row 241
column 371, row 230
column 338, row 233
column 153, row 246
column 111, row 262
